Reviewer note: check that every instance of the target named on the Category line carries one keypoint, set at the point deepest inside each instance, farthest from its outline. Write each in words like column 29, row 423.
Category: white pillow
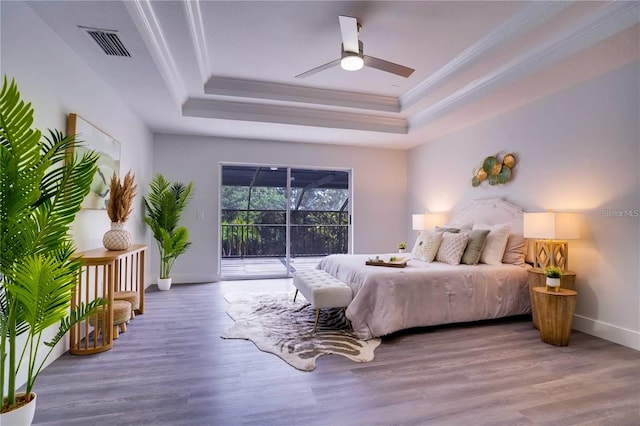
column 452, row 247
column 495, row 244
column 427, row 246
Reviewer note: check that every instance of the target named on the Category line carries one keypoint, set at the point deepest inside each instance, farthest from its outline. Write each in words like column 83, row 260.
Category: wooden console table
column 103, row 273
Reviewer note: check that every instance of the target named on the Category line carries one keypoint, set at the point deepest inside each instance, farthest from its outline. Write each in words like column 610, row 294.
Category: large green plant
column 164, row 205
column 41, row 191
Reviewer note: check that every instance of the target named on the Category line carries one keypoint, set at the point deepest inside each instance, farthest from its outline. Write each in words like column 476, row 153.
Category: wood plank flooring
column 172, row 368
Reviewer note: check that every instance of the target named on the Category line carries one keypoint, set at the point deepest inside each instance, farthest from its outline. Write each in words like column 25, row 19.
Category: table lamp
column 417, row 222
column 551, row 231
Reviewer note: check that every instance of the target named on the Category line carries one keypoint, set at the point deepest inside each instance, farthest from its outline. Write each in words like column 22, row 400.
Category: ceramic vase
column 23, row 416
column 164, row 284
column 117, row 238
column 553, row 283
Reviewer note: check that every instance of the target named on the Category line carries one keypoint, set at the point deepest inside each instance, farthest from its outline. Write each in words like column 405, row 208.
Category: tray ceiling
column 227, row 69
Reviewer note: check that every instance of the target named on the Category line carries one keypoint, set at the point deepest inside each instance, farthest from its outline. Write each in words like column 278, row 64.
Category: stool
column 131, row 297
column 321, row 290
column 121, row 316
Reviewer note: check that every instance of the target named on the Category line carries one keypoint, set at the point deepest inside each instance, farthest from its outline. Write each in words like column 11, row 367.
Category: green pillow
column 475, row 244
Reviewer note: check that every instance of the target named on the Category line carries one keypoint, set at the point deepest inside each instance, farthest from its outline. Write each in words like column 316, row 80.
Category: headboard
column 492, row 211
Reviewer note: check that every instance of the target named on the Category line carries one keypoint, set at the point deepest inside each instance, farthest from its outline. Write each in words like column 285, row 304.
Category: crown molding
column 526, row 19
column 245, row 111
column 287, row 92
column 195, row 24
column 602, row 24
column 142, row 14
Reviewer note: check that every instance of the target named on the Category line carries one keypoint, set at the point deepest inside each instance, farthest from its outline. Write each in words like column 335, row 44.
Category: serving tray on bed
column 397, row 263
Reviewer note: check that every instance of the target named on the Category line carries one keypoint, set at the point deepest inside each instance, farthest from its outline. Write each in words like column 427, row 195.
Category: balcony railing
column 313, row 233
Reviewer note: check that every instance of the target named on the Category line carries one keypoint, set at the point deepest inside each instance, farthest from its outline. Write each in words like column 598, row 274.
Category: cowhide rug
column 279, row 326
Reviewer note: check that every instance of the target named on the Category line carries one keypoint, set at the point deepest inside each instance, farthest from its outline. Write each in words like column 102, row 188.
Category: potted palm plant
column 164, row 205
column 41, row 190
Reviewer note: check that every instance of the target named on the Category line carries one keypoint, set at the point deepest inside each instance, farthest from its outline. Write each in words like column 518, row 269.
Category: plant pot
column 117, row 238
column 401, row 251
column 553, row 283
column 22, row 416
column 164, row 284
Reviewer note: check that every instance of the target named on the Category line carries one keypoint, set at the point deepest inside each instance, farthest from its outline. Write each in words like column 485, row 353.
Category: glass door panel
column 275, row 221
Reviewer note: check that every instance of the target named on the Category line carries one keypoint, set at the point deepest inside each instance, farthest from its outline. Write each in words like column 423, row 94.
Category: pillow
column 495, row 244
column 447, row 229
column 427, row 246
column 465, row 226
column 452, row 247
column 477, row 239
column 515, row 250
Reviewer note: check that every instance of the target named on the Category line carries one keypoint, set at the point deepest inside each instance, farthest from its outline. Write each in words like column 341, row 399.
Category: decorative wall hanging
column 108, row 150
column 495, row 170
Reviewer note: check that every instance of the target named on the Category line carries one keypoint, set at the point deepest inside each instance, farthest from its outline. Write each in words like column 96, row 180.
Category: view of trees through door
column 276, row 220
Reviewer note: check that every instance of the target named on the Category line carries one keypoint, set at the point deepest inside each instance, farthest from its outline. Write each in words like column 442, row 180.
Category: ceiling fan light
column 351, row 61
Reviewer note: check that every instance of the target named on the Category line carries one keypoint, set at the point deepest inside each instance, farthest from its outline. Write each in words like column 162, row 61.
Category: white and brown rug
column 279, row 326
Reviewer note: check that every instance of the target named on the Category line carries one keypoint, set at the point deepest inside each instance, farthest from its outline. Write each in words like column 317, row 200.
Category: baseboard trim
column 188, row 279
column 610, row 332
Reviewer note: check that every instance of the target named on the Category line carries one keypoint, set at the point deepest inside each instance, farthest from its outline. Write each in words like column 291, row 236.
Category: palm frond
column 81, row 313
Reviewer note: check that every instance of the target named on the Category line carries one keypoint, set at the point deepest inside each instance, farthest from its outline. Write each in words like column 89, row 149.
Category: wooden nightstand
column 538, row 278
column 555, row 314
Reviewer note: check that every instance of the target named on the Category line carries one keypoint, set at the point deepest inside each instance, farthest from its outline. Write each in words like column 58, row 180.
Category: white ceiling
column 227, row 68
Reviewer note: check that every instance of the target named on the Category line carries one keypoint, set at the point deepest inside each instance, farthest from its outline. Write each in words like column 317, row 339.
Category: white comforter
column 387, row 299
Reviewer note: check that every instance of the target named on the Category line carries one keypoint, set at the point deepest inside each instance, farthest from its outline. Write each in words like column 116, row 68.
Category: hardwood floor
column 172, row 368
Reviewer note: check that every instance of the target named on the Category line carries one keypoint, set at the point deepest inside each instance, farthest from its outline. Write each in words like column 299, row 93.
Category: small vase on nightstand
column 553, row 284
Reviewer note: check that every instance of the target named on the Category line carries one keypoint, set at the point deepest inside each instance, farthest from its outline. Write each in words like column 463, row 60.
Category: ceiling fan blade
column 318, row 69
column 349, row 30
column 382, row 65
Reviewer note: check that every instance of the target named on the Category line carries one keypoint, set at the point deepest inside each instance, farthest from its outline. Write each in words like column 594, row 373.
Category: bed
column 386, row 300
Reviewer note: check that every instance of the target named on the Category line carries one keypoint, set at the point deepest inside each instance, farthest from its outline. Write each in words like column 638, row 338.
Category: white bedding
column 387, row 299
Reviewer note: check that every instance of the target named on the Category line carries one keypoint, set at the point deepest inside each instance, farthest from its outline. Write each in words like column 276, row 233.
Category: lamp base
column 552, row 253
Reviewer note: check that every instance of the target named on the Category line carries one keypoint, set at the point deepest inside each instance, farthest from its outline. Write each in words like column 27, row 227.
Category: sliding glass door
column 276, row 220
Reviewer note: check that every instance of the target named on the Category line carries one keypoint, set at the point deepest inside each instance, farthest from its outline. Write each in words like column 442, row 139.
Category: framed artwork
column 108, row 150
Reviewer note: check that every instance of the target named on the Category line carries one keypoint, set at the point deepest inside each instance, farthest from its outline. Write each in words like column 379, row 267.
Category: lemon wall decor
column 495, row 170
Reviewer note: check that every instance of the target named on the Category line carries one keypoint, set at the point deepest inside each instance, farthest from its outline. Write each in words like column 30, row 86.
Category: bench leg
column 315, row 323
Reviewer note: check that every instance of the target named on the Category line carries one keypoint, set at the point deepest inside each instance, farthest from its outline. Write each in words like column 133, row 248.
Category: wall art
column 495, row 170
column 108, row 150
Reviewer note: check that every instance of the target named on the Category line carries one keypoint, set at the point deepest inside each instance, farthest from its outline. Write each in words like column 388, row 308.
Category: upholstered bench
column 321, row 290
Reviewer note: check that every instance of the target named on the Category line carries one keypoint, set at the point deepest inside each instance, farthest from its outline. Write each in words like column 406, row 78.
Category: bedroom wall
column 57, row 82
column 578, row 150
column 379, row 185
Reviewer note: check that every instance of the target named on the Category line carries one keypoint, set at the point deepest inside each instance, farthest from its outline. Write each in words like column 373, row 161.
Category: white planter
column 401, row 251
column 553, row 282
column 164, row 284
column 23, row 416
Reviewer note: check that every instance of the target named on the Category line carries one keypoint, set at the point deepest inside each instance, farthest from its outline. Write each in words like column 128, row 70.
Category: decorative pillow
column 452, row 247
column 427, row 246
column 465, row 226
column 516, row 250
column 496, row 243
column 447, row 229
column 477, row 239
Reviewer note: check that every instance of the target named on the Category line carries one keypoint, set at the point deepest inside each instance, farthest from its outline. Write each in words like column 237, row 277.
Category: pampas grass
column 120, row 203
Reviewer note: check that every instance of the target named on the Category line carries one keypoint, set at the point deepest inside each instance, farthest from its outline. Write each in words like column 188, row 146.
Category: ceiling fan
column 353, row 57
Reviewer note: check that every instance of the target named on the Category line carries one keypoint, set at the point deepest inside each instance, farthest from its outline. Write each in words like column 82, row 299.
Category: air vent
column 108, row 40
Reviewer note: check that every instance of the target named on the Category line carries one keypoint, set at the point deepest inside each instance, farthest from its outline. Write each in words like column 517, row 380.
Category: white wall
column 578, row 150
column 379, row 185
column 57, row 82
